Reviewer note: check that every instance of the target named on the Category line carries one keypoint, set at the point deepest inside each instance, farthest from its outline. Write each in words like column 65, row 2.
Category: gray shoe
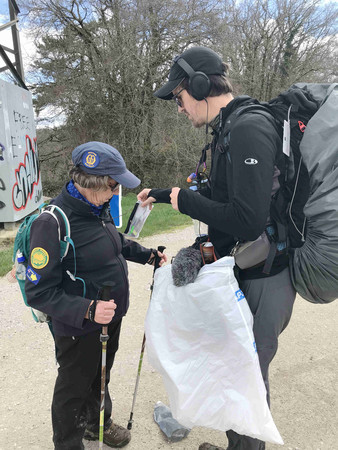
column 207, row 446
column 115, row 436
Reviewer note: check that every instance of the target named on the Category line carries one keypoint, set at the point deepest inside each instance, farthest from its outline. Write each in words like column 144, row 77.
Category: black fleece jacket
column 101, row 253
column 236, row 204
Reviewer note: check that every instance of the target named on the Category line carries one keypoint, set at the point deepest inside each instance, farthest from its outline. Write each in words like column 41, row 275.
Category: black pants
column 271, row 301
column 76, row 400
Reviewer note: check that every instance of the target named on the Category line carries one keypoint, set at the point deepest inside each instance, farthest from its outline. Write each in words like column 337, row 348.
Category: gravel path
column 303, row 375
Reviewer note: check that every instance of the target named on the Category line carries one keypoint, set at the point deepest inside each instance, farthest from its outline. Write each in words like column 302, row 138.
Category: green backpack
column 22, row 245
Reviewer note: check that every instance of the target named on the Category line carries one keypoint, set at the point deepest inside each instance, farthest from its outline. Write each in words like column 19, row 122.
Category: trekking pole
column 156, row 266
column 105, row 295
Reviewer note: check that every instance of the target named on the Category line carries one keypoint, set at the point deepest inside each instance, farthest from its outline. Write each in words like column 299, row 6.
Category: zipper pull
column 234, row 249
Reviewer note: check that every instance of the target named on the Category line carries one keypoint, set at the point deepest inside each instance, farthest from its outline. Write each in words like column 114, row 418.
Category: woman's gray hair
column 94, row 182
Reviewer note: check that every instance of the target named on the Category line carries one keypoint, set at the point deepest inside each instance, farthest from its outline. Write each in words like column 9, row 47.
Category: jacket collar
column 80, row 207
column 225, row 112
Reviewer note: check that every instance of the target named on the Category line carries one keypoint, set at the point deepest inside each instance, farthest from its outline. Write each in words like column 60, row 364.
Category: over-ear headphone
column 199, row 82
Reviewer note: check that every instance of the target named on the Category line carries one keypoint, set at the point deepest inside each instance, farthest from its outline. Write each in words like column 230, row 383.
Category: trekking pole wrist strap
column 152, row 257
column 91, row 311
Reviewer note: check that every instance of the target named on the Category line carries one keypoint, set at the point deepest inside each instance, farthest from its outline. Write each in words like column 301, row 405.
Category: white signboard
column 20, row 180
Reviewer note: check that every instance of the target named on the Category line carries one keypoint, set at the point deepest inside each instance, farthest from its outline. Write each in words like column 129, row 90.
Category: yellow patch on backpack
column 39, row 258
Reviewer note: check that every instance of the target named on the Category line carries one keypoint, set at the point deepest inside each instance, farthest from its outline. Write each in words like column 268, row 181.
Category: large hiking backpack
column 305, row 209
column 22, row 245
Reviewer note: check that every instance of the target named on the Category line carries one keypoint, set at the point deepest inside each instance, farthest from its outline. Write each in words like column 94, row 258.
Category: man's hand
column 174, row 197
column 105, row 311
column 143, row 197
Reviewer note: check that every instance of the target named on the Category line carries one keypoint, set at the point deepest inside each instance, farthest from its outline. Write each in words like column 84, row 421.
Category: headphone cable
column 207, row 123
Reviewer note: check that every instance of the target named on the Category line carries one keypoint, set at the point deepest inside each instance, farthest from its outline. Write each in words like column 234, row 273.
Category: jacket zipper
column 115, row 246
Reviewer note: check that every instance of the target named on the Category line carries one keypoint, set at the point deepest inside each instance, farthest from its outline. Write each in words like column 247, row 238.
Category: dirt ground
column 303, row 375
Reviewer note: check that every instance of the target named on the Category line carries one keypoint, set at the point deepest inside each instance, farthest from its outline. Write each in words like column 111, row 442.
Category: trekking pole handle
column 160, row 249
column 105, row 291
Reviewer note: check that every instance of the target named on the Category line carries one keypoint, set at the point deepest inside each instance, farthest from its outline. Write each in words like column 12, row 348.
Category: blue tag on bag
column 239, row 295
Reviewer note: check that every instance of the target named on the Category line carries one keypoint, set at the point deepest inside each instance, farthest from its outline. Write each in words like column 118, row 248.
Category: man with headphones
column 235, row 203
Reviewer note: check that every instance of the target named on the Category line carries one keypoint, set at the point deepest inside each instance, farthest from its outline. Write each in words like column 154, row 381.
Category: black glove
column 160, row 195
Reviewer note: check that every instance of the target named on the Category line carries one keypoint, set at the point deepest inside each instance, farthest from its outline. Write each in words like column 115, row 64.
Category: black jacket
column 236, row 204
column 101, row 253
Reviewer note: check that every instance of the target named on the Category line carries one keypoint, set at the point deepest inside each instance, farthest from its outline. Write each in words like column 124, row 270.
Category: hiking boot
column 115, row 436
column 207, row 446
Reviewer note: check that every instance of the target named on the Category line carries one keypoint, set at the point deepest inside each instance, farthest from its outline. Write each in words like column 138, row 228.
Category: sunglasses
column 114, row 187
column 178, row 100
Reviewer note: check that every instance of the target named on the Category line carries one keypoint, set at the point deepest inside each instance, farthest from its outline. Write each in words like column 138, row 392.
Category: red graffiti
column 27, row 176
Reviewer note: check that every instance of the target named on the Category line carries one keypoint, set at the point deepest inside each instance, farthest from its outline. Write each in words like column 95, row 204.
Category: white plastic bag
column 200, row 339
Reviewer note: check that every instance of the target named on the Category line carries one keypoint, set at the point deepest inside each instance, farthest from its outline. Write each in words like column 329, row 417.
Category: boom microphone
column 186, row 265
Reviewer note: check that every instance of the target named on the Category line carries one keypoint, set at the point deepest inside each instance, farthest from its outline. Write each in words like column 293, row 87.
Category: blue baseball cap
column 98, row 158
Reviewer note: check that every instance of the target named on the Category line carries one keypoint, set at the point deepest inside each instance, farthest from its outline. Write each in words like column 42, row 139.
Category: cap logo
column 90, row 159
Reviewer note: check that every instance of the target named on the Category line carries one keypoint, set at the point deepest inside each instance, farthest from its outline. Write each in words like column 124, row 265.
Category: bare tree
column 273, row 43
column 101, row 60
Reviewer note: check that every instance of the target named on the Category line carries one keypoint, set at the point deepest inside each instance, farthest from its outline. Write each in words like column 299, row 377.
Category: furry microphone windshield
column 186, row 265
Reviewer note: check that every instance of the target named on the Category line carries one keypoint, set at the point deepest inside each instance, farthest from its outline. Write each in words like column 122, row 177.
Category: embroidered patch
column 239, row 295
column 90, row 159
column 32, row 276
column 39, row 258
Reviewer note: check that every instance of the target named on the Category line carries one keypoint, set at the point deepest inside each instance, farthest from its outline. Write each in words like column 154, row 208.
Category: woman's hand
column 154, row 255
column 105, row 311
column 143, row 197
column 163, row 259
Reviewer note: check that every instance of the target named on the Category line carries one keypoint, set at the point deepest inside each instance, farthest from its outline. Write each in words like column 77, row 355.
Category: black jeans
column 76, row 400
column 271, row 302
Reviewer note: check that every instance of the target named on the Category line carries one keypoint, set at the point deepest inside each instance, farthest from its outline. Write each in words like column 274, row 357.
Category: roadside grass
column 6, row 253
column 163, row 218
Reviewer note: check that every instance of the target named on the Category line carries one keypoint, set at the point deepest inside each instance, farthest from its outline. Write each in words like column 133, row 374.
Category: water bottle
column 21, row 268
column 208, row 253
column 170, row 427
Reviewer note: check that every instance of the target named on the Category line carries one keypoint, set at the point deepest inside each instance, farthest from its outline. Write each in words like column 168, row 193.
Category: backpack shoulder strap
column 258, row 109
column 66, row 241
column 64, row 238
column 254, row 108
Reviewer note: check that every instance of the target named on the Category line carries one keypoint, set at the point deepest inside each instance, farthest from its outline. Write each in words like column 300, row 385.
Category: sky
column 48, row 117
column 27, row 45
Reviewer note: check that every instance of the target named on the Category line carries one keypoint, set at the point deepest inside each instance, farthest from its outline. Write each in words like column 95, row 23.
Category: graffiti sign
column 27, row 176
column 2, row 188
column 19, row 166
column 38, row 196
column 2, row 150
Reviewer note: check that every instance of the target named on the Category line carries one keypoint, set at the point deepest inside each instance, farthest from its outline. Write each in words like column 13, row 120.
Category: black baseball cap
column 201, row 59
column 98, row 158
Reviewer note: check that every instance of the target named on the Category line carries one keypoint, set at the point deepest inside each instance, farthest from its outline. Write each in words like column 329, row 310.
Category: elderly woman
column 77, row 315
